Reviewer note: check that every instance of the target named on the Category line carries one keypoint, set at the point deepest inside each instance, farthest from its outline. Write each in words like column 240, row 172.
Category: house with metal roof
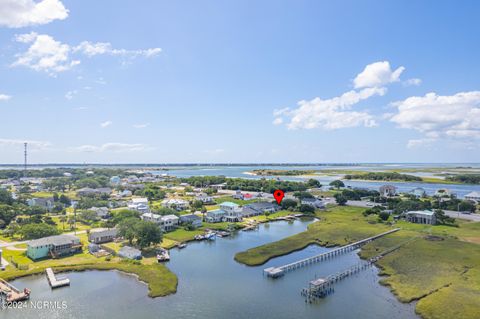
column 130, row 253
column 215, row 216
column 421, row 217
column 99, row 236
column 259, row 208
column 191, row 219
column 53, row 246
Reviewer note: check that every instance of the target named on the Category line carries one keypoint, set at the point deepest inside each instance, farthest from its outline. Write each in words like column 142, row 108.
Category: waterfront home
column 473, row 196
column 260, row 208
column 418, row 192
column 169, row 222
column 443, row 192
column 46, row 203
column 314, row 202
column 233, row 212
column 177, row 204
column 388, row 190
column 53, row 246
column 99, row 236
column 192, row 219
column 130, row 253
column 204, row 198
column 421, row 217
column 215, row 216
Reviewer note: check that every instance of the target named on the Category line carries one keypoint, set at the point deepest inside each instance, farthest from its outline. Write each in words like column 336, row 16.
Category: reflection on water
column 213, row 285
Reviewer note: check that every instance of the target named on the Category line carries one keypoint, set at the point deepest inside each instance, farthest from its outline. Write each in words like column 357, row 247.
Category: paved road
column 451, row 213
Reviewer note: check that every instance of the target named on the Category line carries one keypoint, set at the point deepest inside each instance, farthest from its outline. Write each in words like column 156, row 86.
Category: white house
column 215, row 216
column 388, row 190
column 204, row 198
column 101, row 212
column 422, row 217
column 473, row 196
column 418, row 192
column 169, row 222
column 233, row 212
column 46, row 203
column 314, row 202
column 139, row 204
column 151, row 217
column 177, row 204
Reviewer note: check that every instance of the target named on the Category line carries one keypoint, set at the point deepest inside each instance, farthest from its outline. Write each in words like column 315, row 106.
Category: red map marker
column 278, row 194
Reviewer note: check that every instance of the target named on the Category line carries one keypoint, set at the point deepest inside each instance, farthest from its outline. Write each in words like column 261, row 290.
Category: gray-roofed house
column 422, row 217
column 215, row 216
column 473, row 196
column 388, row 190
column 259, row 208
column 418, row 192
column 192, row 219
column 46, row 203
column 53, row 246
column 314, row 202
column 99, row 236
column 130, row 253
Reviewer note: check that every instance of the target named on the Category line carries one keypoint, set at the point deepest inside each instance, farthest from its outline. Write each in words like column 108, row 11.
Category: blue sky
column 220, row 81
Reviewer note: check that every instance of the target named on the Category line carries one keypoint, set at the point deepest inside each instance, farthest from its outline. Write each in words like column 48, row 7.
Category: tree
column 340, row 199
column 314, row 183
column 197, row 204
column 123, row 214
column 34, row 231
column 443, row 219
column 7, row 213
column 337, row 184
column 64, row 200
column 302, row 195
column 147, row 233
column 5, row 197
column 383, row 215
column 126, row 228
column 288, row 204
column 63, row 219
column 307, row 209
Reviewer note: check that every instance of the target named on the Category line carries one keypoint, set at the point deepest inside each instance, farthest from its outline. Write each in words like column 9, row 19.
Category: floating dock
column 54, row 281
column 12, row 293
column 275, row 272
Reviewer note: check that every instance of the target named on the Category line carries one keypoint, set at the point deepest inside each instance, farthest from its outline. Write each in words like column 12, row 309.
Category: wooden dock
column 54, row 281
column 275, row 272
column 12, row 293
column 322, row 287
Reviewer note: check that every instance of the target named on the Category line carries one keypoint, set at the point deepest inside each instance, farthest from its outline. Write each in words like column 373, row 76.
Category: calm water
column 240, row 172
column 213, row 285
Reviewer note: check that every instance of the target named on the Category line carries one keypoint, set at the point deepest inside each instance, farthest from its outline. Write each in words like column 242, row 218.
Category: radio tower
column 25, row 162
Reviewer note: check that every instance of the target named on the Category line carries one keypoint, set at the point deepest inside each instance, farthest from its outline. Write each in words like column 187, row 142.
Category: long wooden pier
column 54, row 281
column 275, row 272
column 322, row 287
column 12, row 293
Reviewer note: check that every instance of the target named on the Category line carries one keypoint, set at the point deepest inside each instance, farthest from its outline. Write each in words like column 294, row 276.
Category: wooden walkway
column 54, row 281
column 275, row 272
column 322, row 287
column 12, row 293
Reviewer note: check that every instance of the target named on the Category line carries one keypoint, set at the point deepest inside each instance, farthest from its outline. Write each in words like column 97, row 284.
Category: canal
column 213, row 285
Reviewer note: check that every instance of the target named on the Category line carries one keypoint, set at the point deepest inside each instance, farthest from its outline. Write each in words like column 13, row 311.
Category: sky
column 239, row 81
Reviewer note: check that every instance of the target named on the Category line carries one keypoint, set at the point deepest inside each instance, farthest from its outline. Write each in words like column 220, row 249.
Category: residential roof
column 473, row 194
column 421, row 212
column 151, row 215
column 190, row 217
column 261, row 205
column 129, row 251
column 216, row 212
column 229, row 204
column 54, row 240
column 139, row 200
column 169, row 217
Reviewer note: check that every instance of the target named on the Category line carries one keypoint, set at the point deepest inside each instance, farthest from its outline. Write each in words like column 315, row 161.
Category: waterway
column 213, row 285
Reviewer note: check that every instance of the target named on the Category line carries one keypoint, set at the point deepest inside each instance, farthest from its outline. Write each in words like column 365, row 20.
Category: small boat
column 210, row 236
column 182, row 245
column 163, row 255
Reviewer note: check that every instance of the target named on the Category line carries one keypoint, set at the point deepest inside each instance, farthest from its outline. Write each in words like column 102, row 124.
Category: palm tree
column 63, row 219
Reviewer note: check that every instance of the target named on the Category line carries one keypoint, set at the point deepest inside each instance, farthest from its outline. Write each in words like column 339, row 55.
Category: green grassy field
column 439, row 265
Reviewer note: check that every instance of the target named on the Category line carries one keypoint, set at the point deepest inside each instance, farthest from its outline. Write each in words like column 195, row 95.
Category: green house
column 53, row 246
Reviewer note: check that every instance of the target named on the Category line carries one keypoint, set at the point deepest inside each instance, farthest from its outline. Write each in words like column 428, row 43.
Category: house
column 218, row 186
column 443, row 192
column 421, row 217
column 46, row 203
column 53, row 246
column 192, row 219
column 115, row 180
column 204, row 198
column 215, row 216
column 177, row 204
column 388, row 190
column 233, row 212
column 314, row 202
column 238, row 195
column 130, row 253
column 418, row 192
column 473, row 196
column 87, row 191
column 255, row 209
column 99, row 236
column 139, row 204
column 168, row 222
column 125, row 193
column 151, row 217
column 101, row 212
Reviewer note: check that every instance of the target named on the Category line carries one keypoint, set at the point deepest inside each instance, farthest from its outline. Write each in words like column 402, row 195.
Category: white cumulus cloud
column 52, row 56
column 436, row 116
column 23, row 13
column 377, row 74
column 141, row 125
column 5, row 97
